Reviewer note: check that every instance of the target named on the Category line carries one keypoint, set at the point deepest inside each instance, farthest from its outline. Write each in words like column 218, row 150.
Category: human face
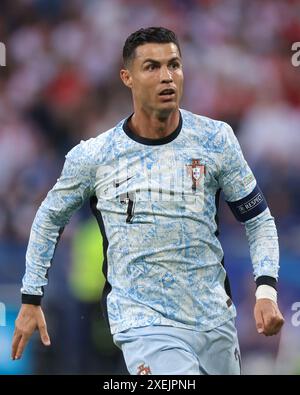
column 155, row 77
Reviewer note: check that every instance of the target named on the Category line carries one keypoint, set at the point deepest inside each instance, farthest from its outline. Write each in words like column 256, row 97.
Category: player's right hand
column 30, row 318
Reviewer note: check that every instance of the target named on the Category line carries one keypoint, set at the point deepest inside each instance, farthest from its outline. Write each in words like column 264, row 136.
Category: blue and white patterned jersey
column 155, row 201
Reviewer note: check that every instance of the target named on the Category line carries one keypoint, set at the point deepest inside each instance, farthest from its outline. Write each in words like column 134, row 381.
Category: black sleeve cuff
column 266, row 280
column 31, row 299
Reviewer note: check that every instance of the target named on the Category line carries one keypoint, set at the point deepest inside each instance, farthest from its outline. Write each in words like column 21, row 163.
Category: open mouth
column 167, row 95
column 167, row 92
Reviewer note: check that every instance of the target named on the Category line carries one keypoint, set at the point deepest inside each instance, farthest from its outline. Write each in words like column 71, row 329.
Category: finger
column 15, row 342
column 273, row 324
column 277, row 325
column 259, row 320
column 44, row 334
column 280, row 324
column 270, row 323
column 21, row 346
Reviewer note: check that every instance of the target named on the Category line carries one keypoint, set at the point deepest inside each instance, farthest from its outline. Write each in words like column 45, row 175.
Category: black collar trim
column 146, row 140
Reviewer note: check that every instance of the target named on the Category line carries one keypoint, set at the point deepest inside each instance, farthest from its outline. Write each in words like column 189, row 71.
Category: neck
column 154, row 126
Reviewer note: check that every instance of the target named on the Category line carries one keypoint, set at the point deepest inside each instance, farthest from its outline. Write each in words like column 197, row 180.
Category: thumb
column 259, row 327
column 259, row 321
column 44, row 334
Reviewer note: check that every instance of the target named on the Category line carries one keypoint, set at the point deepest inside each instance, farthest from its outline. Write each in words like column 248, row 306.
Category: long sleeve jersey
column 156, row 204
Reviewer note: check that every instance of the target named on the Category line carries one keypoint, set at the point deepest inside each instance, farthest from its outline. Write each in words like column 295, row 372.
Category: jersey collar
column 147, row 141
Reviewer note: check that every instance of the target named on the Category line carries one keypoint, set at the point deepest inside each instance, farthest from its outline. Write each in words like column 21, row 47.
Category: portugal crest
column 196, row 171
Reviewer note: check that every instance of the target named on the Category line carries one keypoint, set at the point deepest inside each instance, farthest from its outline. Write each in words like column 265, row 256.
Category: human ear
column 126, row 78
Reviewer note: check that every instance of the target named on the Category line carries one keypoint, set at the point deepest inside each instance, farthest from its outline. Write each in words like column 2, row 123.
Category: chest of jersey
column 170, row 178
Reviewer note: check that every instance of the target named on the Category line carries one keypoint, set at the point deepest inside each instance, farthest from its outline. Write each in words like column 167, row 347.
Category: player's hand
column 29, row 319
column 268, row 317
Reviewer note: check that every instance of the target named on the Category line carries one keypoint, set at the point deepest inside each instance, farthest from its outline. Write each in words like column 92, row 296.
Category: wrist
column 31, row 299
column 266, row 292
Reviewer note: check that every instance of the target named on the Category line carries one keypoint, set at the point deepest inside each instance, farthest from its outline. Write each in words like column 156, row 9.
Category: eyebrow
column 158, row 62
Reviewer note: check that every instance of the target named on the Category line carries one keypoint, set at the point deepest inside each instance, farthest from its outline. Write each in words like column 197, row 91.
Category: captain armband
column 250, row 206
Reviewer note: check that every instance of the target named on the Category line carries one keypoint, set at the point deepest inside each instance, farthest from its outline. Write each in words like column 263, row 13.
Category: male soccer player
column 154, row 181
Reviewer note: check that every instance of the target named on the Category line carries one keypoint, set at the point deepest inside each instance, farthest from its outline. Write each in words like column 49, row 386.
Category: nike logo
column 116, row 184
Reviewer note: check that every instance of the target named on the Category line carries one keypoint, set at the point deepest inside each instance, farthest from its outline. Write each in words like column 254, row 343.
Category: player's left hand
column 268, row 317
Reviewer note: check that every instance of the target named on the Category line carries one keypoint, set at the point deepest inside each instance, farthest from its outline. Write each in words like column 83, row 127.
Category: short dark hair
column 144, row 36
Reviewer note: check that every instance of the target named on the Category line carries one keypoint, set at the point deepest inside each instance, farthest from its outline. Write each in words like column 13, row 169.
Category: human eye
column 175, row 65
column 151, row 67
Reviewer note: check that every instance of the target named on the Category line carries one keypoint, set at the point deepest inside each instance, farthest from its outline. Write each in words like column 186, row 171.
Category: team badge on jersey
column 196, row 170
column 143, row 370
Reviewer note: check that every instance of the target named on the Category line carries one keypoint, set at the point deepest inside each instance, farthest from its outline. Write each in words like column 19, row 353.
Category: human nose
column 165, row 74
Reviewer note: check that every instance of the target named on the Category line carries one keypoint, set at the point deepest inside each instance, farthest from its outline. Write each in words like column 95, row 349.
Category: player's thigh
column 157, row 354
column 222, row 353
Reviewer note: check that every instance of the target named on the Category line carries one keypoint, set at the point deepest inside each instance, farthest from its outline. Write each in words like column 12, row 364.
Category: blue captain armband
column 250, row 206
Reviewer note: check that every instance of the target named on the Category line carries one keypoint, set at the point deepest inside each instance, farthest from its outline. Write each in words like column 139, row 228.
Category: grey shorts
column 166, row 350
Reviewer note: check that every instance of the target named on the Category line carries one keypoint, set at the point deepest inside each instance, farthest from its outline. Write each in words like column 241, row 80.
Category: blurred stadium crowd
column 61, row 84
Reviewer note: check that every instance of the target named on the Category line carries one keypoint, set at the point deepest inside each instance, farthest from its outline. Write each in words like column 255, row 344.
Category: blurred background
column 61, row 84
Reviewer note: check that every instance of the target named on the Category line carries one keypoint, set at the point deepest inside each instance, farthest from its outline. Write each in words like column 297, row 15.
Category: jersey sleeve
column 264, row 248
column 236, row 178
column 73, row 187
column 249, row 206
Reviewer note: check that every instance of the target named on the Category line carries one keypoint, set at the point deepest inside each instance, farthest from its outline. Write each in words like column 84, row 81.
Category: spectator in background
column 235, row 53
column 156, row 245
